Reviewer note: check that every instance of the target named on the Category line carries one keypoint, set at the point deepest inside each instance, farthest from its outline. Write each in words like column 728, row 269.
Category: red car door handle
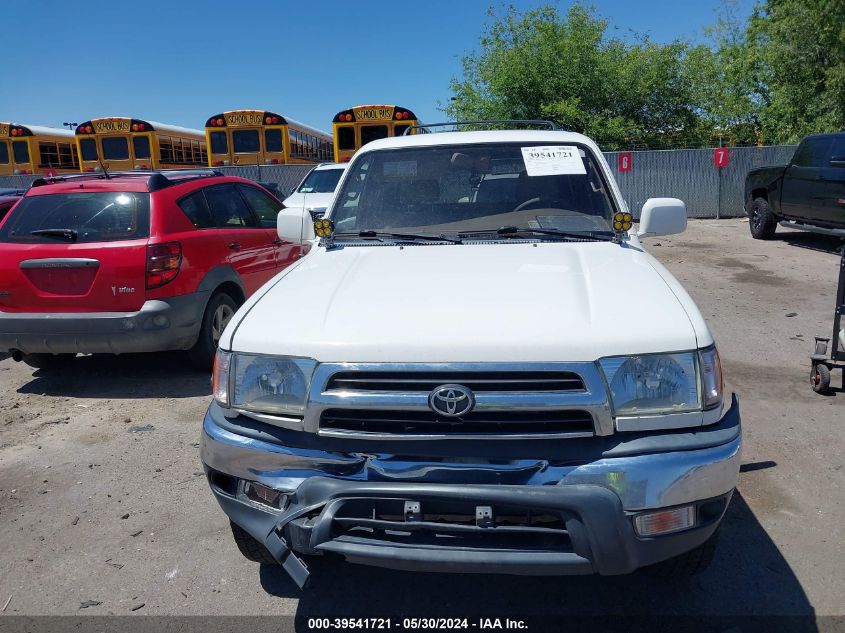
column 234, row 246
column 277, row 241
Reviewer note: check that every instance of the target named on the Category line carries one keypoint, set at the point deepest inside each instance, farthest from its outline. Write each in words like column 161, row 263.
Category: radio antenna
column 103, row 167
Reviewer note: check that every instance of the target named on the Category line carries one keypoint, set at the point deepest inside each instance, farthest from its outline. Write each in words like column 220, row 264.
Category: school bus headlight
column 323, row 227
column 622, row 221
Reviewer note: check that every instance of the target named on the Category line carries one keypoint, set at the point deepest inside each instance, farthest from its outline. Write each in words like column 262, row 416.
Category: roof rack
column 156, row 179
column 548, row 125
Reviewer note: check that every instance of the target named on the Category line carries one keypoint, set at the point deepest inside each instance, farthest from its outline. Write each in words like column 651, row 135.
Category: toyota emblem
column 451, row 401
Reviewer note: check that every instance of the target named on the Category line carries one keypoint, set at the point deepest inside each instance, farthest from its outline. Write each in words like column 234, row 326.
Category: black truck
column 808, row 193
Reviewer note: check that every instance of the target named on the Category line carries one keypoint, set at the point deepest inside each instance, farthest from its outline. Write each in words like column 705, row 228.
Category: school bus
column 258, row 137
column 123, row 143
column 34, row 149
column 364, row 123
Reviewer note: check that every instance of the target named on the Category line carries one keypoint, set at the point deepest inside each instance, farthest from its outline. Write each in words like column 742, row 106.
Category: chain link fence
column 688, row 174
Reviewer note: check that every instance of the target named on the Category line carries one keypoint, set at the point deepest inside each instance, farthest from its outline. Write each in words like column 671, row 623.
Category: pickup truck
column 808, row 193
column 475, row 368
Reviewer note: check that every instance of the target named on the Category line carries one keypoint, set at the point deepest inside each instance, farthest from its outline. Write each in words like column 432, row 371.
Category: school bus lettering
column 373, row 114
column 4, row 130
column 111, row 125
column 244, row 118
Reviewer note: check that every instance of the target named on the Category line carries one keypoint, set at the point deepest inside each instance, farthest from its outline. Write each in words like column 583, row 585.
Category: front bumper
column 160, row 324
column 594, row 496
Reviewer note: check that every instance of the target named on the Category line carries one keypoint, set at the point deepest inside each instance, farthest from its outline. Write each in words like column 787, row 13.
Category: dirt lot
column 102, row 496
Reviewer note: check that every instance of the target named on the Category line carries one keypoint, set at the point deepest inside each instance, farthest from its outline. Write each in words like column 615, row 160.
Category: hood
column 481, row 302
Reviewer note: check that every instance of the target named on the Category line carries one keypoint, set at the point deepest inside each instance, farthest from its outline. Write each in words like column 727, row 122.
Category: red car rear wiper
column 68, row 234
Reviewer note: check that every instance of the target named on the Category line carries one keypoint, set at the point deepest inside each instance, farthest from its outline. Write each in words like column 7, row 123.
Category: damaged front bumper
column 521, row 508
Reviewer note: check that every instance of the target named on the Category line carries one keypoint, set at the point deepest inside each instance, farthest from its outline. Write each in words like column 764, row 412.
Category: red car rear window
column 79, row 217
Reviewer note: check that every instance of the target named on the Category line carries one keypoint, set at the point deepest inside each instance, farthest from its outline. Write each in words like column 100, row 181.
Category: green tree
column 800, row 48
column 724, row 76
column 539, row 64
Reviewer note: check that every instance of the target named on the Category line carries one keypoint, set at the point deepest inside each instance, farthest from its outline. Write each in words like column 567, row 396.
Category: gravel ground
column 102, row 496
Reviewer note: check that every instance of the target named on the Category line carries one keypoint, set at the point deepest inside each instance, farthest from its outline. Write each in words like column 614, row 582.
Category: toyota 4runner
column 477, row 368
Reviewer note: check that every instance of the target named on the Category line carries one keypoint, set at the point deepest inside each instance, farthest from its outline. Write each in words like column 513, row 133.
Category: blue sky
column 180, row 62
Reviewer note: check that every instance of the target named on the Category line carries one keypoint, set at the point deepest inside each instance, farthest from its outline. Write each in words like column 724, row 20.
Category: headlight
column 267, row 384
column 271, row 384
column 653, row 383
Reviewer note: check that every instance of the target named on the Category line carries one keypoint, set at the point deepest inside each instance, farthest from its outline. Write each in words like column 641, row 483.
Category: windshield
column 322, row 181
column 87, row 217
column 474, row 187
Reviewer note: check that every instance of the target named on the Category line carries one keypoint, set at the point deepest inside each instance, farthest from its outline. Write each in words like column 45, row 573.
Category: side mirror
column 837, row 161
column 662, row 216
column 294, row 224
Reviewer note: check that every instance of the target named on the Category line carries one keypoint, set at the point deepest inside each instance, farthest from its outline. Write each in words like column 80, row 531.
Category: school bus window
column 219, row 143
column 195, row 148
column 89, row 149
column 141, row 146
column 245, row 141
column 204, row 156
column 346, row 137
column 20, row 149
column 178, row 156
column 372, row 133
column 115, row 148
column 166, row 148
column 49, row 155
column 66, row 156
column 273, row 140
column 399, row 130
column 4, row 153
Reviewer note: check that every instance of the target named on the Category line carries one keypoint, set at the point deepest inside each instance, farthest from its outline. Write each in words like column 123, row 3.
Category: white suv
column 476, row 368
column 316, row 190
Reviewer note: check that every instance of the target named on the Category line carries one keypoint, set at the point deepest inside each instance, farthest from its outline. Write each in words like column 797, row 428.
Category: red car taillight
column 163, row 262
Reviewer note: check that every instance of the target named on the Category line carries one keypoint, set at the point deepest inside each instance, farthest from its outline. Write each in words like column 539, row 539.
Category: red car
column 133, row 262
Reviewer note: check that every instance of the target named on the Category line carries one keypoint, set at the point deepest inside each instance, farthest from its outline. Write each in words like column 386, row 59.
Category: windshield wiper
column 68, row 234
column 378, row 235
column 516, row 230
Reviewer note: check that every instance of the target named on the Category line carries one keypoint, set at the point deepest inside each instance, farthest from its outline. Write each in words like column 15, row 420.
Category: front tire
column 220, row 309
column 761, row 220
column 249, row 547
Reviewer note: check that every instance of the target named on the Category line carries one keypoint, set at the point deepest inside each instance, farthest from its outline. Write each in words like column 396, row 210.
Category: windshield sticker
column 400, row 168
column 553, row 160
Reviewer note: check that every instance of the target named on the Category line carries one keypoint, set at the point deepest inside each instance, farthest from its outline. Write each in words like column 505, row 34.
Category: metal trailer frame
column 822, row 363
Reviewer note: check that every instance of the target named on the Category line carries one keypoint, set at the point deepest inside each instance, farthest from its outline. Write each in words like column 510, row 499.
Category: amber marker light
column 323, row 227
column 622, row 222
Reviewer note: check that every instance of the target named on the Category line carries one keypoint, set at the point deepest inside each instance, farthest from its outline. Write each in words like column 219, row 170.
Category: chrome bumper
column 645, row 471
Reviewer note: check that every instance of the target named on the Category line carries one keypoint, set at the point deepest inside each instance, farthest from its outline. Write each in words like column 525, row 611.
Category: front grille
column 477, row 423
column 451, row 524
column 478, row 381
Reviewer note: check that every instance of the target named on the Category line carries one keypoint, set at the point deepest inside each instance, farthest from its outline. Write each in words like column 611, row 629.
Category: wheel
column 761, row 220
column 220, row 309
column 47, row 361
column 689, row 563
column 249, row 547
column 820, row 378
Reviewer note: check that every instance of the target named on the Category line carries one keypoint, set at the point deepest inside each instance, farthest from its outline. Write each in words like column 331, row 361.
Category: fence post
column 719, row 195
